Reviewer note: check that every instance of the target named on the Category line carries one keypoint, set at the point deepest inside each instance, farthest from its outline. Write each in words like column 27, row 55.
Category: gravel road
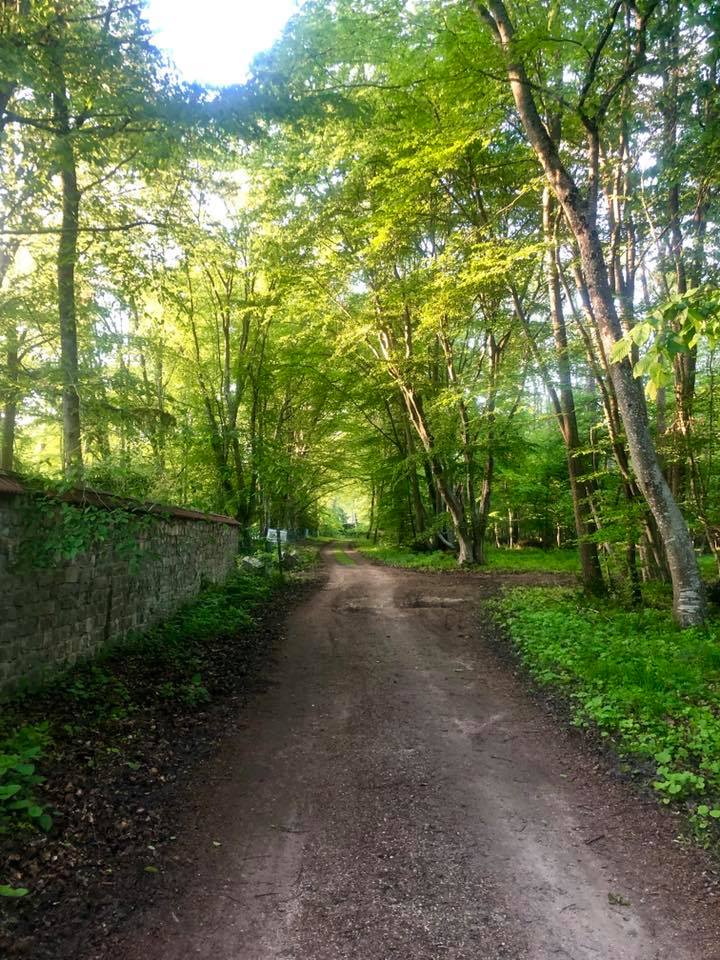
column 398, row 793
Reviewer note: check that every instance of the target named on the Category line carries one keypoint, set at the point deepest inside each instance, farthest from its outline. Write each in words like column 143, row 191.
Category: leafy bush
column 651, row 689
column 19, row 808
column 393, row 556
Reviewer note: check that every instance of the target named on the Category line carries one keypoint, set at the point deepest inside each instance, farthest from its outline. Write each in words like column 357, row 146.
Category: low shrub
column 651, row 689
column 19, row 807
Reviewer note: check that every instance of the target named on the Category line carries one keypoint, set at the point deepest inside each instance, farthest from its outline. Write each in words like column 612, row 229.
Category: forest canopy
column 460, row 256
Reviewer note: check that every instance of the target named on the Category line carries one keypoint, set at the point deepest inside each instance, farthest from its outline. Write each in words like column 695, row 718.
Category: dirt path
column 398, row 794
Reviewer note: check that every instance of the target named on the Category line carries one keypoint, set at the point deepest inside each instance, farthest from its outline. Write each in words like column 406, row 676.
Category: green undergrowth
column 296, row 556
column 708, row 567
column 521, row 560
column 344, row 558
column 651, row 690
column 174, row 667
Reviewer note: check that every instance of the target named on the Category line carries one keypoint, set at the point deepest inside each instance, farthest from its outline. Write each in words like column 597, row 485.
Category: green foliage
column 56, row 531
column 393, row 556
column 19, row 754
column 649, row 688
column 678, row 325
column 8, row 891
column 522, row 559
column 306, row 556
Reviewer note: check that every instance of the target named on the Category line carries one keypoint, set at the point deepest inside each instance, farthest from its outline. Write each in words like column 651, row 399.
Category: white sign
column 273, row 535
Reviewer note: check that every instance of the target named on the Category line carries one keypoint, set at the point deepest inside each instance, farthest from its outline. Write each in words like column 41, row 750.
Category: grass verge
column 522, row 560
column 344, row 558
column 651, row 690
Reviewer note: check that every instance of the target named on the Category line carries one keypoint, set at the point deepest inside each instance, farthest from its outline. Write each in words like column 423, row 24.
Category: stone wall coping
column 13, row 485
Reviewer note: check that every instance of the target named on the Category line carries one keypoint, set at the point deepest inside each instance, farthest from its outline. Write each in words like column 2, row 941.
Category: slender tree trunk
column 377, row 514
column 67, row 255
column 684, row 363
column 483, row 511
column 688, row 593
column 372, row 511
column 597, row 358
column 12, row 370
column 578, row 466
column 416, row 503
column 66, row 263
column 455, row 507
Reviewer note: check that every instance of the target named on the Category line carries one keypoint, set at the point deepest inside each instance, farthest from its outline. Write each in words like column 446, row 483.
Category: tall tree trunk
column 66, row 262
column 483, row 510
column 467, row 552
column 12, row 371
column 371, row 521
column 416, row 503
column 10, row 407
column 578, row 465
column 684, row 363
column 688, row 593
column 600, row 367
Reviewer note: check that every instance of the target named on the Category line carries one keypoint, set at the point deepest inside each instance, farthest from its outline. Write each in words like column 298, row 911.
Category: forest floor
column 399, row 791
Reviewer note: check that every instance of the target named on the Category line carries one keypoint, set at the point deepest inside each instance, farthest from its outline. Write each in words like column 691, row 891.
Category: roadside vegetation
column 343, row 557
column 649, row 690
column 521, row 560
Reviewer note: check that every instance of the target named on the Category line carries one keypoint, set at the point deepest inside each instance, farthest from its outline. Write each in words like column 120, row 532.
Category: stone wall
column 50, row 617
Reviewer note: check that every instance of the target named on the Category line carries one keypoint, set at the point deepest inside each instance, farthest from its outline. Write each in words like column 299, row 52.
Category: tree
column 581, row 214
column 94, row 94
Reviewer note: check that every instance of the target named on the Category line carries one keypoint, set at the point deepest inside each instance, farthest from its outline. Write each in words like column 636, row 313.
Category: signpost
column 275, row 535
column 280, row 537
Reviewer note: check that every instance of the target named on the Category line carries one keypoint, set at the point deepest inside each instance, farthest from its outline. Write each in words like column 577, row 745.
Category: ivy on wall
column 56, row 531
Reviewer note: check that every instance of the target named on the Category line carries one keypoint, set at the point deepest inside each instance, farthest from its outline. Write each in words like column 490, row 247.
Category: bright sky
column 214, row 41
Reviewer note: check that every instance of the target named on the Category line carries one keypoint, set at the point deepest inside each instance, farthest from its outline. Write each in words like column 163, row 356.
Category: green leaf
column 621, row 350
column 640, row 333
column 26, row 769
column 9, row 790
column 6, row 891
